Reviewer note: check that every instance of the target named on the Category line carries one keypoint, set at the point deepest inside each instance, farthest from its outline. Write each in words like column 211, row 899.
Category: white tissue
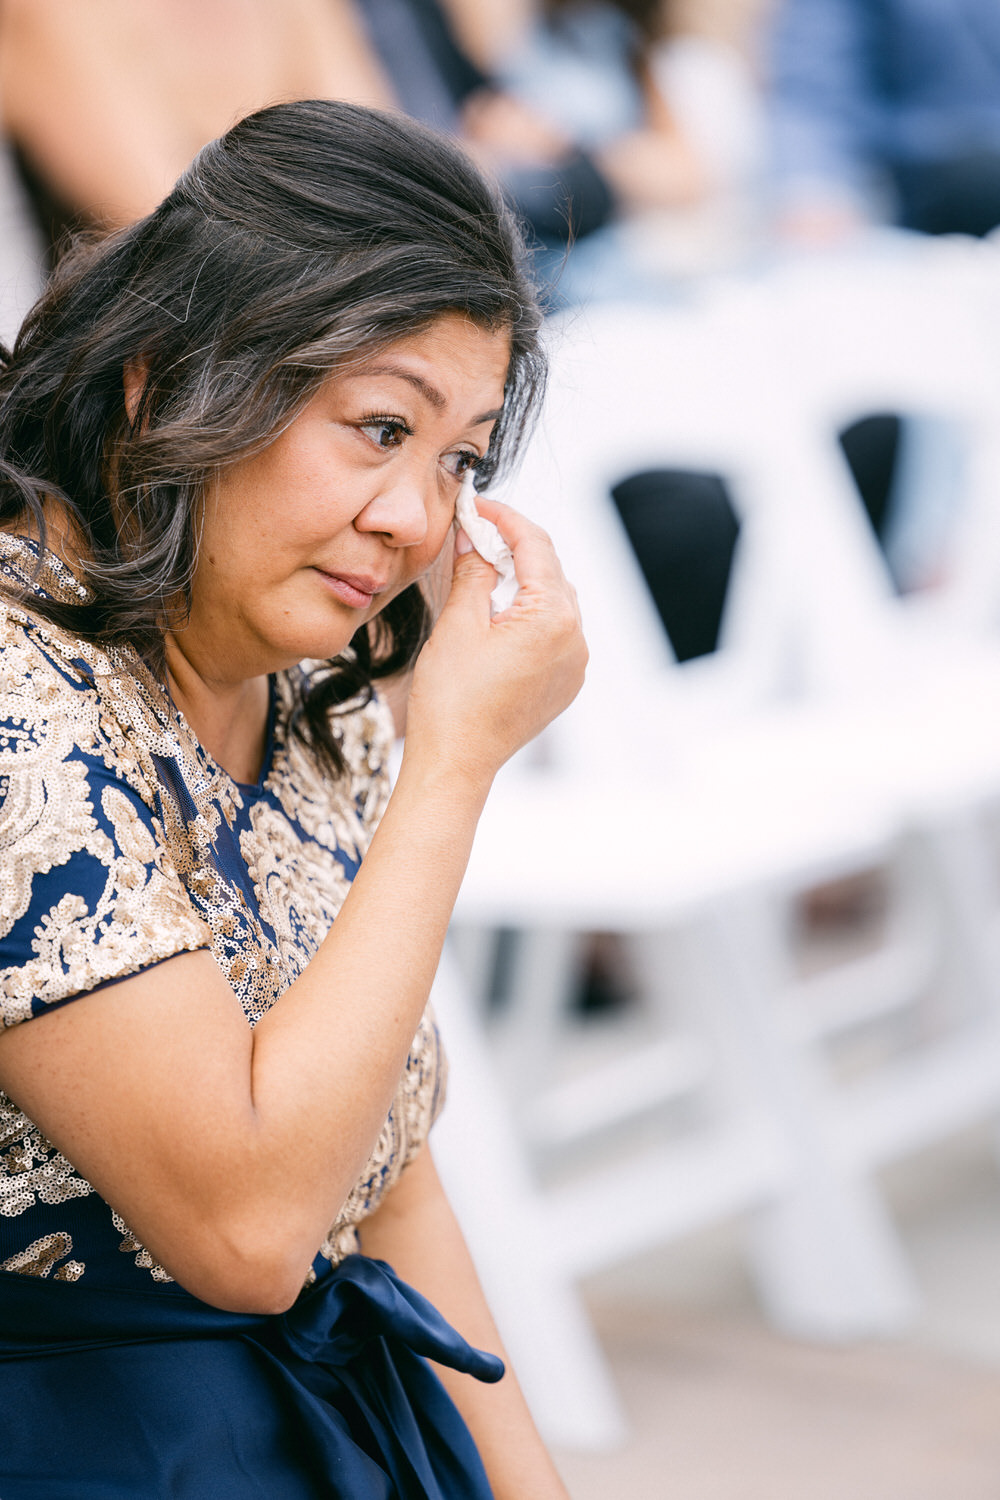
column 490, row 545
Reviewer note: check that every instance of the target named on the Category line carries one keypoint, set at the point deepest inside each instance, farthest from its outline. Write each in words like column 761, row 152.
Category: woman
column 232, row 440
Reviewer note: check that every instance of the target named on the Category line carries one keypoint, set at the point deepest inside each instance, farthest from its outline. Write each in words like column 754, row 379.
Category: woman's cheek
column 435, row 581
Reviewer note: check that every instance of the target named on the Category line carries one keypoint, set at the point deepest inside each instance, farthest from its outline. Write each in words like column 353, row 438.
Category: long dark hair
column 309, row 234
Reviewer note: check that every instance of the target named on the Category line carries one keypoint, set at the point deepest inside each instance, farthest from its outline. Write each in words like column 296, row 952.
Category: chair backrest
column 911, row 326
column 753, row 381
column 701, row 387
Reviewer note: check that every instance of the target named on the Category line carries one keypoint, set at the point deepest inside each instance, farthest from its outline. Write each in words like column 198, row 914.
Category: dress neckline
column 255, row 788
column 55, row 577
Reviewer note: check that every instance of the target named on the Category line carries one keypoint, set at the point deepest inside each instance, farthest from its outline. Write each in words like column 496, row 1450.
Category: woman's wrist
column 459, row 775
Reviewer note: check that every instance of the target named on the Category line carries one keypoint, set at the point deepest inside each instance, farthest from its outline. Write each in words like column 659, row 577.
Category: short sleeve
column 88, row 892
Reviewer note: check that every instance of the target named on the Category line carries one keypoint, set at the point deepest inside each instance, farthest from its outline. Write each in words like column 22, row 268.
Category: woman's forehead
column 442, row 362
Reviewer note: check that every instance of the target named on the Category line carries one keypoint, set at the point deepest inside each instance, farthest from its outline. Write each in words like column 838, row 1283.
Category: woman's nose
column 399, row 510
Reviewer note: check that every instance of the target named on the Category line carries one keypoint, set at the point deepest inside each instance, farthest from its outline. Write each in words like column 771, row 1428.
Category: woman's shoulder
column 46, row 674
column 92, row 892
column 31, row 578
column 62, row 696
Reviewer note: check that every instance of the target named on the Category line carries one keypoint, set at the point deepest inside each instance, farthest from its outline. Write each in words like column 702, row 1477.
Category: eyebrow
column 430, row 393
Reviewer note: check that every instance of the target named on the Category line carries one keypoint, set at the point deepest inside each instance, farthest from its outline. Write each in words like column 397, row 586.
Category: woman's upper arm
column 114, row 1024
column 138, row 1085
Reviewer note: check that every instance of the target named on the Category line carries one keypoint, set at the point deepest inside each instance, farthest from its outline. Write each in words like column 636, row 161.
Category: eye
column 461, row 462
column 385, row 432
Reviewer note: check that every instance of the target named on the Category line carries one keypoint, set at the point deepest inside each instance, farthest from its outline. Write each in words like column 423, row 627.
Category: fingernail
column 462, row 543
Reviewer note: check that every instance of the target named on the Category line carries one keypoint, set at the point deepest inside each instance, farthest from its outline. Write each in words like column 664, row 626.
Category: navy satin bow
column 117, row 1394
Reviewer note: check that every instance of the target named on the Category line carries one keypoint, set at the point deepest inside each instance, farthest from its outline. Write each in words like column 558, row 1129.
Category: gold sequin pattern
column 96, row 766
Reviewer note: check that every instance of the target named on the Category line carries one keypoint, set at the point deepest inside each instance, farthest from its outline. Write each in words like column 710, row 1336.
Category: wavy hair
column 311, row 233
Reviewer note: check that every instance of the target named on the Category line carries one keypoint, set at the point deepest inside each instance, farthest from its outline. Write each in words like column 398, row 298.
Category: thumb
column 473, row 578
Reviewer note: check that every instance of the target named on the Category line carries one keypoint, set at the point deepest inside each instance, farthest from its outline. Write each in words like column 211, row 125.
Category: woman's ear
column 135, row 373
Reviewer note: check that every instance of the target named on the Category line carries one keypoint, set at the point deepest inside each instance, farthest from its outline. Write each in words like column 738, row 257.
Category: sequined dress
column 122, row 843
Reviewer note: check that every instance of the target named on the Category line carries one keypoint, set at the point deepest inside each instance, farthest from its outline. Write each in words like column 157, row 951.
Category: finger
column 512, row 524
column 535, row 558
column 472, row 578
column 540, row 575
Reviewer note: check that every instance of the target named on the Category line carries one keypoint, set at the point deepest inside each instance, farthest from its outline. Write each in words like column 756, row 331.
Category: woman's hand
column 484, row 687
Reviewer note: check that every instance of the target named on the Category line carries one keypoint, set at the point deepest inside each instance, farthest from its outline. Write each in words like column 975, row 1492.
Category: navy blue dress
column 123, row 843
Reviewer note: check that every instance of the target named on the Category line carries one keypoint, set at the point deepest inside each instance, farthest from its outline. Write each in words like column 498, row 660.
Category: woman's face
column 305, row 541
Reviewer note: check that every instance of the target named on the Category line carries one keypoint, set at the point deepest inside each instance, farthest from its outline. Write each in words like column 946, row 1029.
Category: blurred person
column 586, row 66
column 563, row 189
column 671, row 118
column 885, row 111
column 107, row 102
column 573, row 109
column 232, row 438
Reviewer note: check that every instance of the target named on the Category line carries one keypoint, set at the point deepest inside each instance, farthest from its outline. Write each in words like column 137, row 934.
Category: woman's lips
column 354, row 589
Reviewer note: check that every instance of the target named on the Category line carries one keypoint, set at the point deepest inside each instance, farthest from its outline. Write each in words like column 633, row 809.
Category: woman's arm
column 229, row 1151
column 416, row 1231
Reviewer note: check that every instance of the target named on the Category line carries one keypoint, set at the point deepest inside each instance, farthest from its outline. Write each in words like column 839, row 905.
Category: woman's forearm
column 326, row 1061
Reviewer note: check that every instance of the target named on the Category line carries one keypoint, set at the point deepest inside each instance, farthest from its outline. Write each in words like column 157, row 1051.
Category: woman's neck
column 230, row 719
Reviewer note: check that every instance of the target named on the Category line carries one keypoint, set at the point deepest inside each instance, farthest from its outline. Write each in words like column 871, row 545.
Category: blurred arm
column 656, row 166
column 111, row 100
column 489, row 29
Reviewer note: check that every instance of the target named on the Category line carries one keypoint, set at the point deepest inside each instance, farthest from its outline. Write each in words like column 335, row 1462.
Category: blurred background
column 723, row 988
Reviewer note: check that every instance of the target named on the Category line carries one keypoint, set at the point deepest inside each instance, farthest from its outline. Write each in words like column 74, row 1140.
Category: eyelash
column 471, row 461
column 395, row 424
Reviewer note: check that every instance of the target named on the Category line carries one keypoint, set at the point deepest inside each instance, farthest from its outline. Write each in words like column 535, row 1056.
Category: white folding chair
column 910, row 326
column 672, row 801
column 912, row 329
column 686, row 805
